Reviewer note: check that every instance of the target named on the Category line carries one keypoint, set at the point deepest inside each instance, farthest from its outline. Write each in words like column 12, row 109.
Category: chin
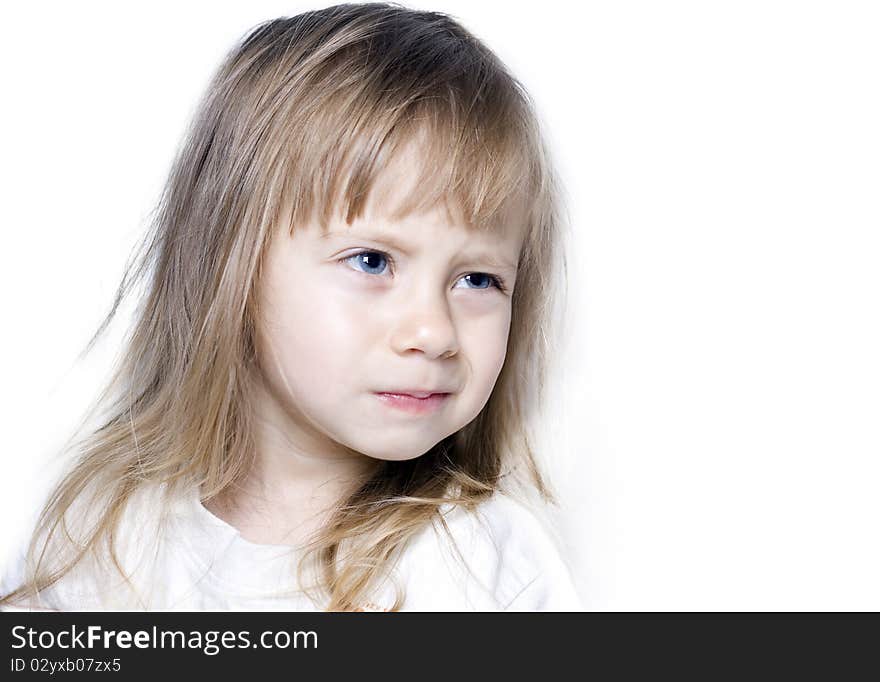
column 395, row 454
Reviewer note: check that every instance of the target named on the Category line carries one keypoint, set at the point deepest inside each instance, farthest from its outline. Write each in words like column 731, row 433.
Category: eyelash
column 495, row 280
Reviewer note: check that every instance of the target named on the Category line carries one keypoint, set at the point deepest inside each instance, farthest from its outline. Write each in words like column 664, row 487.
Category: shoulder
column 94, row 580
column 500, row 556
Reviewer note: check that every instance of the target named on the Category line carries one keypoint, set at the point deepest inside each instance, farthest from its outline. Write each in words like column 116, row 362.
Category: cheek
column 486, row 349
column 309, row 338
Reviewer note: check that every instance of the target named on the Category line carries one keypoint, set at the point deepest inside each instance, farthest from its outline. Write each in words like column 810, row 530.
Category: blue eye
column 370, row 263
column 480, row 277
column 368, row 259
column 487, row 279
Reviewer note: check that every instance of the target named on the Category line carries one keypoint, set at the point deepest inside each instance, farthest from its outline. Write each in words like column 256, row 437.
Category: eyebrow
column 394, row 243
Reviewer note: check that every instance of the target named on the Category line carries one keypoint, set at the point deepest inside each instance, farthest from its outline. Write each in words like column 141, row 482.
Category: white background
column 722, row 384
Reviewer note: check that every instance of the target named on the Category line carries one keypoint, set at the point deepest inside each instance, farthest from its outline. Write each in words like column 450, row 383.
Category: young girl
column 325, row 396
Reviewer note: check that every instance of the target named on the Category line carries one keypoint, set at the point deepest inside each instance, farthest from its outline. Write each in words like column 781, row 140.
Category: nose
column 426, row 325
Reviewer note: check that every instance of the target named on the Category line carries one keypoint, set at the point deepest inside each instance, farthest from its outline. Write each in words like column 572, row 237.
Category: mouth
column 413, row 404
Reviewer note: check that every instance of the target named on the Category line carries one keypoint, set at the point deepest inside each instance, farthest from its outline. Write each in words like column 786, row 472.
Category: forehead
column 434, row 232
column 400, row 202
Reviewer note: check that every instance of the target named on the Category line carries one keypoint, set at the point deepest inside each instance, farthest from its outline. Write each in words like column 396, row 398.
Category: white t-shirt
column 199, row 562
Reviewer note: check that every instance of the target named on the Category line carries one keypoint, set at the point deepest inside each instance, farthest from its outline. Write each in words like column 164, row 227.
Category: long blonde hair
column 299, row 120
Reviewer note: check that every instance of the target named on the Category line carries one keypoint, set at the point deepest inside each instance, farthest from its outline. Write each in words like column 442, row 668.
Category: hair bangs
column 464, row 142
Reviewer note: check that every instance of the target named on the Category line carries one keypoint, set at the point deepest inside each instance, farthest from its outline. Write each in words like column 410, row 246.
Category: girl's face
column 383, row 306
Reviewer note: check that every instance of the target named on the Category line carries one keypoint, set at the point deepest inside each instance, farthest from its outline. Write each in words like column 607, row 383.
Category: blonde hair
column 298, row 122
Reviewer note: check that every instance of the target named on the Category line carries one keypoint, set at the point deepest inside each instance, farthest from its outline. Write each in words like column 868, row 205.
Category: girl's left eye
column 373, row 262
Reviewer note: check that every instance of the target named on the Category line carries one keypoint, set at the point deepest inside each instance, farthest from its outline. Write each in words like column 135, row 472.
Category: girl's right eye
column 369, row 262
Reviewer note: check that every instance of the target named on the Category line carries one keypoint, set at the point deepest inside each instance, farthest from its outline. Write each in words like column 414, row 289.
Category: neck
column 297, row 479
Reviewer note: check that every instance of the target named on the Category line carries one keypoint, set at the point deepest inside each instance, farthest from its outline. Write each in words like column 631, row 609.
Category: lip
column 413, row 404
